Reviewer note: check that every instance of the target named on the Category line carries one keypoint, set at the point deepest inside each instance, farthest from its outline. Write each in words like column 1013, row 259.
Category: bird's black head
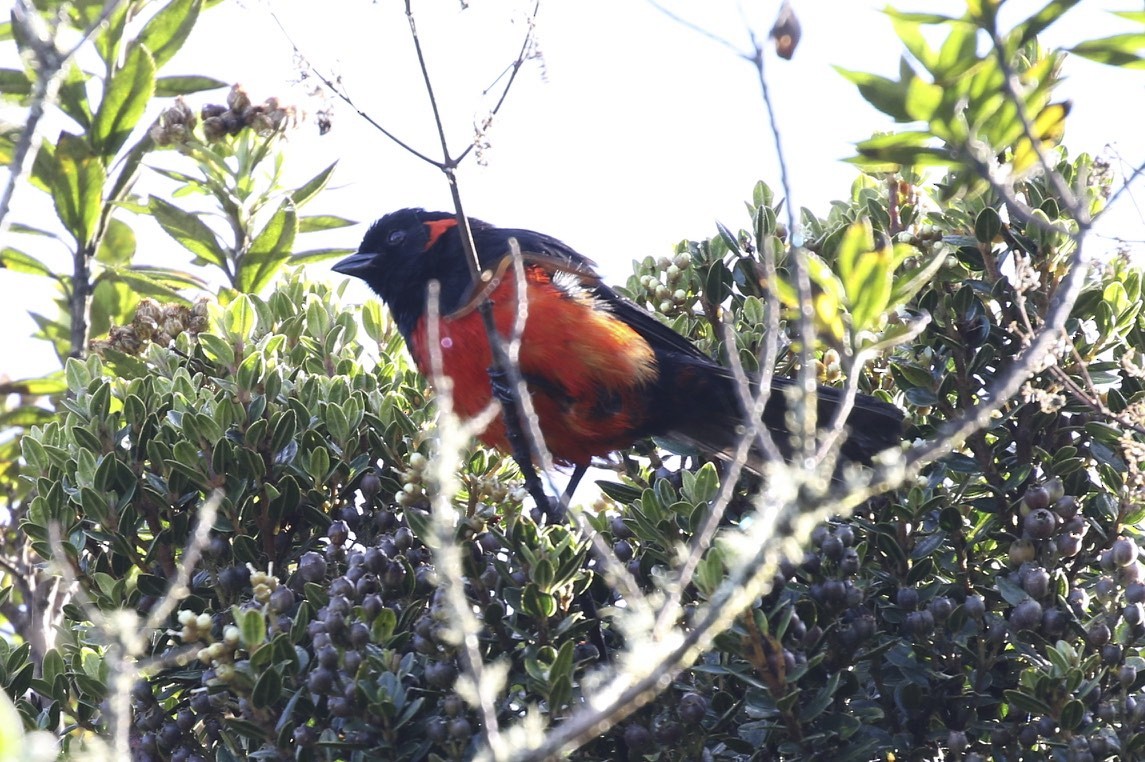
column 401, row 253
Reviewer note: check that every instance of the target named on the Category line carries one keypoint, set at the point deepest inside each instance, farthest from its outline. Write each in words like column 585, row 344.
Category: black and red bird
column 603, row 373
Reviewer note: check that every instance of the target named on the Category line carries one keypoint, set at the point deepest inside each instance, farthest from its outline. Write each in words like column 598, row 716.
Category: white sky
column 636, row 133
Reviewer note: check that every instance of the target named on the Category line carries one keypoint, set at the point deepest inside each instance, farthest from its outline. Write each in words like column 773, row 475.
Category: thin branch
column 514, row 68
column 335, row 88
column 445, row 550
column 1137, row 172
column 699, row 30
column 808, row 383
column 427, row 81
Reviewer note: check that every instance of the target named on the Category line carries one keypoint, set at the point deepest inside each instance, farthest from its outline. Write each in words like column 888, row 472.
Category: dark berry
column 440, row 674
column 320, row 680
column 312, row 567
column 281, row 600
column 1098, row 634
column 637, row 739
column 1026, row 615
column 692, row 708
column 343, row 588
column 1036, row 582
column 832, row 547
column 1039, row 524
column 907, row 598
column 620, row 530
column 1037, row 498
column 460, row 729
column 338, row 532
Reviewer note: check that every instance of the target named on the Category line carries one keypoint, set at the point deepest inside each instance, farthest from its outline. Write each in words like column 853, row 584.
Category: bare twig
column 446, row 554
column 343, row 96
column 515, row 67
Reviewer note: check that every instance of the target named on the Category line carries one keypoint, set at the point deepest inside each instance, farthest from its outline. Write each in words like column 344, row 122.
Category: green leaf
column 866, row 272
column 537, row 604
column 171, row 279
column 15, row 82
column 73, row 96
column 191, row 232
column 909, row 30
column 1124, row 50
column 117, row 246
column 269, row 250
column 884, row 94
column 987, row 225
column 37, row 387
column 239, row 318
column 112, row 302
column 311, row 187
column 911, row 149
column 142, row 285
column 252, row 626
column 19, row 262
column 217, row 349
column 1034, row 25
column 168, row 29
column 170, row 87
column 77, row 187
column 958, row 53
column 312, row 256
column 922, row 99
column 123, row 102
column 267, row 689
column 909, row 282
column 707, row 484
column 313, row 222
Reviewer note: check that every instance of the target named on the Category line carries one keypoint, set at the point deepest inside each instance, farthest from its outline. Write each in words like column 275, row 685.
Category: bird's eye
column 396, row 237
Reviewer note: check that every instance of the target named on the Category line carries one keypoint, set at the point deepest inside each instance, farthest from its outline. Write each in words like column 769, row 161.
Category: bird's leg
column 506, row 394
column 574, row 481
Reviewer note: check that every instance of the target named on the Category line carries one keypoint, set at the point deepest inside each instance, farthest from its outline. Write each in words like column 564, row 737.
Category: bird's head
column 401, row 253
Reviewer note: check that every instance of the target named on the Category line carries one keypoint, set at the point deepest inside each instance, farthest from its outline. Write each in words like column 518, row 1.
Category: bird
column 602, row 372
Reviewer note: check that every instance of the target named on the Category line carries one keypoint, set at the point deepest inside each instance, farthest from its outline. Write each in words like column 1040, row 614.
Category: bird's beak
column 356, row 264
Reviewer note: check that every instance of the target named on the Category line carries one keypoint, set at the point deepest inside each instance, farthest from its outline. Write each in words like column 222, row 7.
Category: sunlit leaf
column 270, row 248
column 1124, row 50
column 884, row 94
column 14, row 82
column 865, row 270
column 313, row 222
column 112, row 302
column 169, row 87
column 117, row 245
column 1048, row 128
column 318, row 255
column 1034, row 25
column 911, row 149
column 123, row 102
column 77, row 187
column 168, row 29
column 191, row 232
column 19, row 262
column 312, row 187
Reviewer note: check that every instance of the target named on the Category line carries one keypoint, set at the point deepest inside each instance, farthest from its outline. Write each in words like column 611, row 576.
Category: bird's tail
column 717, row 424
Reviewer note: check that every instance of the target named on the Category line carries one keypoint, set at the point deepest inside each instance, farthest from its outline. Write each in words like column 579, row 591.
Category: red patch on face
column 437, row 229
